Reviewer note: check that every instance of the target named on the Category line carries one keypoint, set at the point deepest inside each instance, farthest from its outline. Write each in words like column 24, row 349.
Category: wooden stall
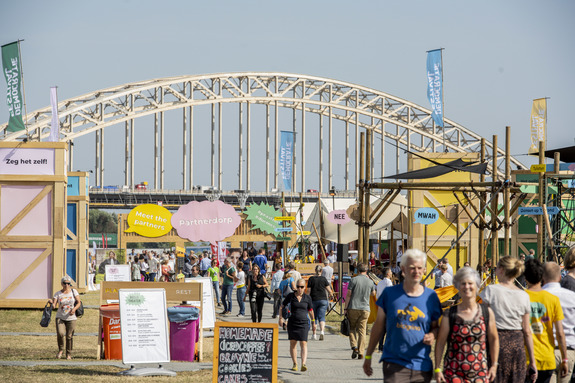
column 77, row 245
column 32, row 222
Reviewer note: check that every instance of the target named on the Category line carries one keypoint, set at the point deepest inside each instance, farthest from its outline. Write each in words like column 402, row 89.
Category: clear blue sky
column 499, row 55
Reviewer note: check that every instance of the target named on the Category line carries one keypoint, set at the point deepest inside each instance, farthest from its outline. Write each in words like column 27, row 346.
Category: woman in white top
column 68, row 301
column 512, row 309
column 241, row 289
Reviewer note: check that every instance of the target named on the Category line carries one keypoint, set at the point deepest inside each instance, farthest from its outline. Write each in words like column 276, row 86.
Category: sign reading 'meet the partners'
column 245, row 352
column 27, row 161
column 206, row 221
column 150, row 220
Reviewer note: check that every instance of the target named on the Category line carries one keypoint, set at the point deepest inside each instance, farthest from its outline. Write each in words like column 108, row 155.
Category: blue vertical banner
column 435, row 85
column 286, row 159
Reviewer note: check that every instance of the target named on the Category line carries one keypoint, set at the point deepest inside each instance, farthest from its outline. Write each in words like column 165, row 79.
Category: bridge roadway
column 117, row 198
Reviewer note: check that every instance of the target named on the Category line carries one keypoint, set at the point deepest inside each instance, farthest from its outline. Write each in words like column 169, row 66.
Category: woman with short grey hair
column 464, row 274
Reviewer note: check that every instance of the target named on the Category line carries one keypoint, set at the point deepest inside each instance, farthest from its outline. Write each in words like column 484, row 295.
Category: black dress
column 256, row 296
column 298, row 323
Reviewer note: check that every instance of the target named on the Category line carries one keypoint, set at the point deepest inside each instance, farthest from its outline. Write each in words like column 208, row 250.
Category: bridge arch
column 397, row 123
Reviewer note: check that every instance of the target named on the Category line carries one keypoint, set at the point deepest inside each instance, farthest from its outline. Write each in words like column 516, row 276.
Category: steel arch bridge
column 401, row 124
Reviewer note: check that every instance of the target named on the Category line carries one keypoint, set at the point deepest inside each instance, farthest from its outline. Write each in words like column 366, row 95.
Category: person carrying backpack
column 470, row 333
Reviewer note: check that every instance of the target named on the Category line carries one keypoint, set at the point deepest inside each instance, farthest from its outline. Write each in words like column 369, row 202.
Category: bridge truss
column 398, row 124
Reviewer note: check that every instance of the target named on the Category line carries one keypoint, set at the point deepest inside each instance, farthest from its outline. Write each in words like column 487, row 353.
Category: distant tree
column 103, row 222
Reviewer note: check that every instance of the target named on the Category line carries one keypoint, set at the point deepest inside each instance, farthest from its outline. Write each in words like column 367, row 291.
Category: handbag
column 46, row 315
column 80, row 312
column 344, row 327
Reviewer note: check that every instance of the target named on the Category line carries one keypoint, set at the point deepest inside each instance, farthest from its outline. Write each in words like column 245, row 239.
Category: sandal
column 59, row 355
column 69, row 357
column 303, row 367
column 294, row 368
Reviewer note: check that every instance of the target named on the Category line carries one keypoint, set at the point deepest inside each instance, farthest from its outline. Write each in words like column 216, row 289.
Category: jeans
column 65, row 330
column 256, row 306
column 277, row 302
column 216, row 285
column 227, row 297
column 319, row 309
column 151, row 277
column 241, row 294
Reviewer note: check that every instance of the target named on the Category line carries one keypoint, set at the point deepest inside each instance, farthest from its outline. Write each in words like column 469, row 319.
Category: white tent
column 349, row 230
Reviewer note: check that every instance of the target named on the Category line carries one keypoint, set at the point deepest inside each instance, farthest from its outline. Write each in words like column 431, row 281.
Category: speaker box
column 342, row 252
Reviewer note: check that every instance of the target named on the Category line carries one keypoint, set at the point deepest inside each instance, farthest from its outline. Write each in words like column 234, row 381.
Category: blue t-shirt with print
column 408, row 319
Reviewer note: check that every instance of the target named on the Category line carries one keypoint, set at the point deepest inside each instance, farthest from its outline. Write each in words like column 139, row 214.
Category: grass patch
column 93, row 374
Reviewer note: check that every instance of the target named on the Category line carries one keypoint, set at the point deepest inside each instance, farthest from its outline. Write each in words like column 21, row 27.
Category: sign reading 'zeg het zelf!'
column 150, row 220
column 27, row 161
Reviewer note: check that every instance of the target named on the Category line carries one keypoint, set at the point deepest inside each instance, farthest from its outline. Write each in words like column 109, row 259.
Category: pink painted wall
column 37, row 285
column 14, row 198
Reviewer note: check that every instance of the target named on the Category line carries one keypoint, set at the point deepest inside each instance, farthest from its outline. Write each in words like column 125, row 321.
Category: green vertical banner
column 14, row 100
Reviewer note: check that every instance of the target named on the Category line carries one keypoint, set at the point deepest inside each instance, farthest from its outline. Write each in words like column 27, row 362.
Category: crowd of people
column 520, row 327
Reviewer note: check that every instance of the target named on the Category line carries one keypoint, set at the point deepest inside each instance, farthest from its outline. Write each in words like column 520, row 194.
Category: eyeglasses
column 301, row 287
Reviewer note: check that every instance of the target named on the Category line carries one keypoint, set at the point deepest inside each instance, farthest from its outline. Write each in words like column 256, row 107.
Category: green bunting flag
column 12, row 72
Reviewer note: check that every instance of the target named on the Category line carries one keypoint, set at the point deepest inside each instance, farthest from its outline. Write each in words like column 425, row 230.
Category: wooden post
column 457, row 245
column 540, row 225
column 494, row 200
column 361, row 196
column 506, row 194
column 482, row 210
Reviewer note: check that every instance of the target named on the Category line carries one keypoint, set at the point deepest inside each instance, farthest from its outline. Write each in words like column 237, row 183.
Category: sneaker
column 354, row 353
column 274, row 316
column 360, row 356
column 320, row 336
column 241, row 316
column 294, row 368
column 219, row 304
column 314, row 336
column 303, row 367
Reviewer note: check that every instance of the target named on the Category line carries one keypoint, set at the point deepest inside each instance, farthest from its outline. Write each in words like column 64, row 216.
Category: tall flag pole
column 538, row 124
column 435, row 87
column 55, row 127
column 15, row 98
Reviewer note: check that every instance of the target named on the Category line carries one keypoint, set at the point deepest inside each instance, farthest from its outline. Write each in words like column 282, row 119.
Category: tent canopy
column 349, row 230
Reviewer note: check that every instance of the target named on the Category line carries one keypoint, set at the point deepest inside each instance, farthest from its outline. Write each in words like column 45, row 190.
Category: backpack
column 485, row 311
column 287, row 289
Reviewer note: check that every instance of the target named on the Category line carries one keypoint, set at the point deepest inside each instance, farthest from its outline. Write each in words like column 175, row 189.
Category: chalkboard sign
column 245, row 352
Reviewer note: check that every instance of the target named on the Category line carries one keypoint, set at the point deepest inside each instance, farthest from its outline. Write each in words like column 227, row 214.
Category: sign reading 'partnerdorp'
column 245, row 352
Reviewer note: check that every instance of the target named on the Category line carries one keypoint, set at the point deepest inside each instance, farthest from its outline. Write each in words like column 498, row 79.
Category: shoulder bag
column 46, row 315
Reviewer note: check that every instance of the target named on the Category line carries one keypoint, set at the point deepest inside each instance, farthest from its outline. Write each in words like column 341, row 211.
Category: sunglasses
column 300, row 287
column 66, row 283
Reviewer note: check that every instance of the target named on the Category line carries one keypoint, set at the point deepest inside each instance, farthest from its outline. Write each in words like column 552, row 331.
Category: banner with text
column 538, row 124
column 286, row 159
column 27, row 161
column 435, row 85
column 14, row 100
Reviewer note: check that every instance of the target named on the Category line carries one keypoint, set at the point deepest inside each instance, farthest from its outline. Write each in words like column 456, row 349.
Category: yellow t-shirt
column 545, row 311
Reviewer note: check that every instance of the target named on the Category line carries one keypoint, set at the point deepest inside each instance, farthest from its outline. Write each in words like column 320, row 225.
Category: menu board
column 245, row 352
column 143, row 315
column 118, row 273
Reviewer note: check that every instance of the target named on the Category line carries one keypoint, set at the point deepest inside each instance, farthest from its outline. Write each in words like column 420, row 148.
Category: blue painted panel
column 71, row 263
column 72, row 218
column 73, row 186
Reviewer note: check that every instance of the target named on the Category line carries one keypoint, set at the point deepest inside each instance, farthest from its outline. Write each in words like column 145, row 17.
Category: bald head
column 551, row 272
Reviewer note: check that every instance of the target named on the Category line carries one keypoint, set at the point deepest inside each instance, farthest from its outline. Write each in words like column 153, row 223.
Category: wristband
column 368, row 357
column 566, row 360
column 437, row 370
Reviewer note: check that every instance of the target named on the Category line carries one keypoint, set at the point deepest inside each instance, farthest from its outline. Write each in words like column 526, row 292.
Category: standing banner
column 208, row 309
column 12, row 72
column 55, row 127
column 286, row 159
column 538, row 124
column 143, row 315
column 435, row 85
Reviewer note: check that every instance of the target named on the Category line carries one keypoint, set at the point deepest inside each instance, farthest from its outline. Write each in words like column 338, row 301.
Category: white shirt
column 445, row 280
column 385, row 282
column 399, row 256
column 327, row 273
column 567, row 299
column 241, row 278
column 449, row 269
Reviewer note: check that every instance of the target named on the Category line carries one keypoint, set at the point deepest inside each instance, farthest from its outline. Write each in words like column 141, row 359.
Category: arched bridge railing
column 403, row 124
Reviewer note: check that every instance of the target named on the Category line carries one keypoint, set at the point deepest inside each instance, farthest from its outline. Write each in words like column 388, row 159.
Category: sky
column 498, row 55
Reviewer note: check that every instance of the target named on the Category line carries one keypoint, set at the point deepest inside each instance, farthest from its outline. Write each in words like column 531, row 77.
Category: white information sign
column 143, row 314
column 118, row 273
column 32, row 161
column 208, row 316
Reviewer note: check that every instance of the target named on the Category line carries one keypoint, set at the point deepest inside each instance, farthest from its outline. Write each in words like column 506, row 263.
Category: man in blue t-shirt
column 262, row 261
column 410, row 311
